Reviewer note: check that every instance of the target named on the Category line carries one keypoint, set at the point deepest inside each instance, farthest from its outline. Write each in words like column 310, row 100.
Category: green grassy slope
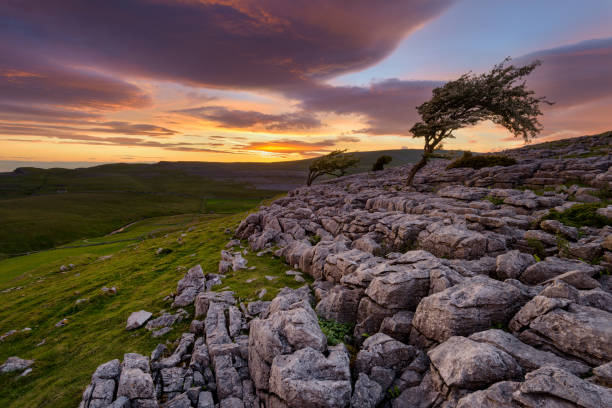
column 95, row 331
column 44, row 208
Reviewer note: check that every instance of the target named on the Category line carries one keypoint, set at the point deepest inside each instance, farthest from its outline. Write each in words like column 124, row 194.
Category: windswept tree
column 381, row 162
column 334, row 164
column 500, row 96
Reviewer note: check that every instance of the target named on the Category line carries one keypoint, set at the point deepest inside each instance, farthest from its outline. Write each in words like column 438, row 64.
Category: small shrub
column 495, row 200
column 394, row 392
column 481, row 161
column 537, row 258
column 335, row 332
column 381, row 162
column 581, row 215
column 314, row 240
column 537, row 247
column 563, row 245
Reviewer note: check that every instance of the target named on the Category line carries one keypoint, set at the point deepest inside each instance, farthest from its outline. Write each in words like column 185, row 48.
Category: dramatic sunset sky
column 265, row 80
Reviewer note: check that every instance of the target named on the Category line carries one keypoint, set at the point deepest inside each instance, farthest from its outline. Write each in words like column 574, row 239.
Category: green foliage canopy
column 334, row 164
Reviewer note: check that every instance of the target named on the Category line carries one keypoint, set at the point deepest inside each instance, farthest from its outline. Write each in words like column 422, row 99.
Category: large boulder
column 512, row 264
column 291, row 325
column 381, row 350
column 188, row 287
column 454, row 242
column 499, row 395
column 552, row 267
column 473, row 306
column 528, row 357
column 554, row 387
column 340, row 304
column 566, row 328
column 464, row 363
column 400, row 290
column 137, row 319
column 367, row 393
column 307, row 378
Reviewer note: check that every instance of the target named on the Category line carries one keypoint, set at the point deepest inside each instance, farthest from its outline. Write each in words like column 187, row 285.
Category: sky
column 269, row 80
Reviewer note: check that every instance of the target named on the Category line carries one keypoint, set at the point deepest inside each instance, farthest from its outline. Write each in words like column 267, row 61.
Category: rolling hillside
column 44, row 208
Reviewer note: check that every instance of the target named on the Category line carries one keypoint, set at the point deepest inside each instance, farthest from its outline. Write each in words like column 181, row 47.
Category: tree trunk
column 418, row 166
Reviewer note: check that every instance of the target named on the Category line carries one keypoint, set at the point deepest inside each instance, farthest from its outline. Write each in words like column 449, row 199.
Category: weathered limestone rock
column 550, row 268
column 204, row 299
column 340, row 304
column 578, row 279
column 398, row 326
column 467, row 308
column 554, row 387
column 512, row 264
column 528, row 357
column 603, row 374
column 291, row 325
column 15, row 364
column 381, row 350
column 578, row 331
column 463, row 363
column 188, row 287
column 400, row 290
column 499, row 395
column 136, row 384
column 455, row 242
column 556, row 227
column 137, row 319
column 307, row 378
column 367, row 393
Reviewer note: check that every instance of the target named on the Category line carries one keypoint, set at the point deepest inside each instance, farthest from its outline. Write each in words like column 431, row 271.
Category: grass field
column 45, row 208
column 95, row 331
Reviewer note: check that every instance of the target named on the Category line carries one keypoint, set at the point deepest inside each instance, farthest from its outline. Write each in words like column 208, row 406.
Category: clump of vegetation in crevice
column 537, row 248
column 381, row 162
column 336, row 332
column 481, row 161
column 581, row 215
column 314, row 240
column 495, row 200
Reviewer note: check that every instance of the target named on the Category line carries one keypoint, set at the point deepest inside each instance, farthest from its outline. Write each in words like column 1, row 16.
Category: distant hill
column 42, row 208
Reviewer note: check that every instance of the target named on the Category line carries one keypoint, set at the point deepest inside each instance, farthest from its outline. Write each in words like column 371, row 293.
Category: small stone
column 15, row 364
column 262, row 293
column 61, row 323
column 137, row 319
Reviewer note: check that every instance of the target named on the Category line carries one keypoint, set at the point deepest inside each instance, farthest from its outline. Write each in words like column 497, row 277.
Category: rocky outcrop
column 464, row 291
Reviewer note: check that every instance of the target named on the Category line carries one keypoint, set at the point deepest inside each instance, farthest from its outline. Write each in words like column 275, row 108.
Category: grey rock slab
column 603, row 374
column 307, row 378
column 552, row 386
column 400, row 290
column 580, row 331
column 455, row 242
column 550, row 268
column 467, row 308
column 537, row 306
column 204, row 299
column 180, row 401
column 110, row 369
column 15, row 364
column 511, row 264
column 383, row 351
column 464, row 363
column 205, row 400
column 367, row 393
column 398, row 326
column 340, row 304
column 498, row 395
column 137, row 319
column 134, row 383
column 528, row 357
